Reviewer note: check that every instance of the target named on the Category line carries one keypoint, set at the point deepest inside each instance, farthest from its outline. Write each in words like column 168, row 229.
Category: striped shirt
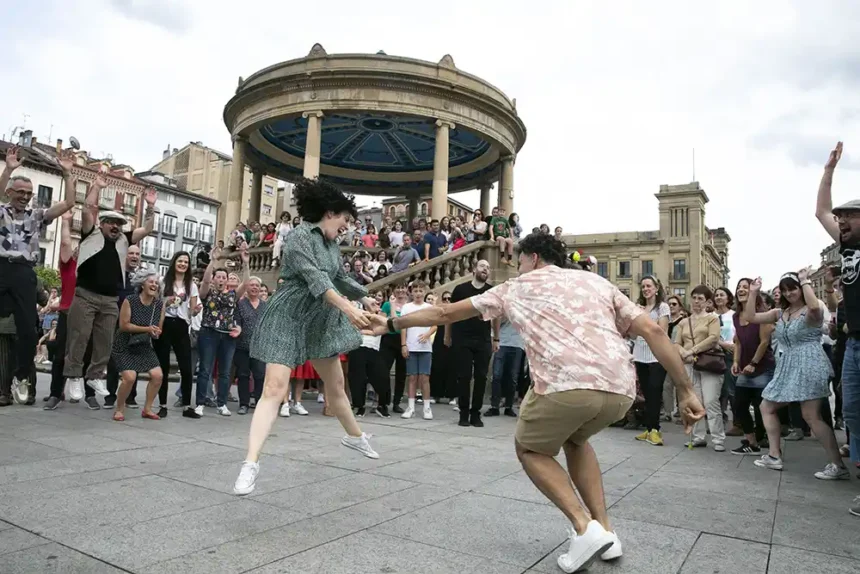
column 641, row 352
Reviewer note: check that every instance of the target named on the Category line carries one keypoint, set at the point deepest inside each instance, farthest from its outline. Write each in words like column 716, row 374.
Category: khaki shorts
column 548, row 421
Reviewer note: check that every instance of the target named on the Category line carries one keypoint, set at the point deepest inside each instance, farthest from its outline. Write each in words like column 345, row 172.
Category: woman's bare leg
column 127, row 380
column 811, row 411
column 772, row 426
column 155, row 379
column 332, row 376
column 274, row 391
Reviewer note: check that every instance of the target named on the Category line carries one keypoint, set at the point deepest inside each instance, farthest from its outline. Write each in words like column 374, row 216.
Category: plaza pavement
column 84, row 494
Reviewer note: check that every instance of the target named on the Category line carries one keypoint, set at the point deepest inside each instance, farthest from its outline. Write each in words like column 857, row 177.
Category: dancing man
column 20, row 227
column 308, row 319
column 574, row 325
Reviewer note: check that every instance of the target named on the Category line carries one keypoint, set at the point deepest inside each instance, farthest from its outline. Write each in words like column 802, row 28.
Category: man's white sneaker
column 408, row 413
column 247, row 478
column 361, row 444
column 585, row 549
column 299, row 409
column 285, row 410
column 452, row 402
column 767, row 461
column 99, row 386
column 833, row 472
column 20, row 390
column 76, row 388
column 428, row 414
column 224, row 411
column 199, row 410
column 614, row 550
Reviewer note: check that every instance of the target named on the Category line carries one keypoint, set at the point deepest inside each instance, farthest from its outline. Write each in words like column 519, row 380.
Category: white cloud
column 614, row 95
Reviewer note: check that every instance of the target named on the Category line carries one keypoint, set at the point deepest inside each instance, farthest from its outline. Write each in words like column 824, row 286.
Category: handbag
column 713, row 361
column 137, row 340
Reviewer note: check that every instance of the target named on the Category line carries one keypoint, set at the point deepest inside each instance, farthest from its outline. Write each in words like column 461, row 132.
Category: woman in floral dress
column 309, row 318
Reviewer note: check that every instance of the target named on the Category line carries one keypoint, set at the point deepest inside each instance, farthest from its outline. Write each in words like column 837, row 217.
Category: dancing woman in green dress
column 309, row 318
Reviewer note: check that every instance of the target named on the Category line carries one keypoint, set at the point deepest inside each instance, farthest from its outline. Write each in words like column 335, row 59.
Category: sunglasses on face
column 446, row 299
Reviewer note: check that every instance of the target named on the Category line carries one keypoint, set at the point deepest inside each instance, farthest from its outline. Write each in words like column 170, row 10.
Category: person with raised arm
column 20, row 228
column 101, row 272
column 574, row 325
column 802, row 368
column 309, row 318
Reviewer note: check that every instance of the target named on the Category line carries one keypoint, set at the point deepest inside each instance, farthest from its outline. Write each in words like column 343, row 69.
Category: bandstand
column 373, row 124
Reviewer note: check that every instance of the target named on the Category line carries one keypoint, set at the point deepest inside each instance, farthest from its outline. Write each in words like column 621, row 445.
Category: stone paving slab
column 85, row 494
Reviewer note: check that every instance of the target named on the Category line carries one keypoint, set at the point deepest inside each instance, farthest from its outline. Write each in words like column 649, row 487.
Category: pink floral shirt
column 573, row 324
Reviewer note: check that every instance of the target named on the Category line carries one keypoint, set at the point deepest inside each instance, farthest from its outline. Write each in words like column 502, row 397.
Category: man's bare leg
column 584, row 471
column 551, row 479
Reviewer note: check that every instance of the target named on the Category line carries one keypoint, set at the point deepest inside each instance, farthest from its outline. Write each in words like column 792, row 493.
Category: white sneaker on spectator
column 20, row 390
column 299, row 409
column 359, row 443
column 247, row 478
column 833, row 472
column 99, row 386
column 224, row 411
column 285, row 410
column 76, row 388
column 583, row 550
column 408, row 413
column 320, row 398
column 199, row 410
column 428, row 414
column 453, row 402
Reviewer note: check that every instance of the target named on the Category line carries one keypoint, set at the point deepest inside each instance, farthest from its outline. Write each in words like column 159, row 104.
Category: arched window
column 423, row 210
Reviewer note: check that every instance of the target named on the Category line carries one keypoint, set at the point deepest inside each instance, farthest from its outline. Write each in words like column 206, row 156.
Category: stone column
column 439, row 208
column 485, row 198
column 312, row 146
column 256, row 194
column 233, row 209
column 506, row 185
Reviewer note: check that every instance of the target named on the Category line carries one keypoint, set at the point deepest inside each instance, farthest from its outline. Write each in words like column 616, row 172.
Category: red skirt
column 305, row 371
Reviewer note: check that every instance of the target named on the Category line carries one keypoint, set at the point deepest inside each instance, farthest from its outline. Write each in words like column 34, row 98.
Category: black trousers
column 174, row 335
column 245, row 367
column 365, row 366
column 58, row 381
column 473, row 362
column 389, row 351
column 651, row 378
column 443, row 376
column 744, row 398
column 18, row 298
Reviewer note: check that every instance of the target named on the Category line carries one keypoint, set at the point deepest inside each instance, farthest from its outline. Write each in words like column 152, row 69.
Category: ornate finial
column 447, row 61
column 381, row 53
column 241, row 79
column 317, row 51
column 514, row 102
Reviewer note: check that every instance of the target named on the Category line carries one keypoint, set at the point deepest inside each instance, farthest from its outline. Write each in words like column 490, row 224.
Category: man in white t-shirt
column 417, row 348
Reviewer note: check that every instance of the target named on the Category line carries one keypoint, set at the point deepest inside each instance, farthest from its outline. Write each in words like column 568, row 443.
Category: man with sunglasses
column 842, row 223
column 20, row 228
column 102, row 259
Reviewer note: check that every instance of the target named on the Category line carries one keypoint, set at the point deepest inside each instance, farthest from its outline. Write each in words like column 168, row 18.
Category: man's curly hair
column 547, row 247
column 316, row 197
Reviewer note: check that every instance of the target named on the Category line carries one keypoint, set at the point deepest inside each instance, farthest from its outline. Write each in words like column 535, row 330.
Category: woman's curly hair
column 316, row 197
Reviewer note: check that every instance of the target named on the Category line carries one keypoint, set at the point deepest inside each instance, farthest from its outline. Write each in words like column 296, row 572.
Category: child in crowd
column 417, row 349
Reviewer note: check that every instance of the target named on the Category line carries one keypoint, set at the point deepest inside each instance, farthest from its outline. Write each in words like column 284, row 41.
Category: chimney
column 33, row 141
column 25, row 138
column 166, row 153
column 176, row 150
column 59, row 145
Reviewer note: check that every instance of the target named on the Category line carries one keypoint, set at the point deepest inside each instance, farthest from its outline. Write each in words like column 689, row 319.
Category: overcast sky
column 615, row 95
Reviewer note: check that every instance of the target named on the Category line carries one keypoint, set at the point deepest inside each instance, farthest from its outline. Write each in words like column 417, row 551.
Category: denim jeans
column 507, row 363
column 214, row 345
column 851, row 394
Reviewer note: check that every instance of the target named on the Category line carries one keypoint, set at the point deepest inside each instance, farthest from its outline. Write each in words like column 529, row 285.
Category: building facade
column 206, row 172
column 829, row 257
column 682, row 253
column 183, row 222
column 398, row 208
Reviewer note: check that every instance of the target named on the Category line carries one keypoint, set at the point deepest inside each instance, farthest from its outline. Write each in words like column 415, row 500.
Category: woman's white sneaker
column 408, row 413
column 359, row 443
column 767, row 461
column 224, row 411
column 299, row 409
column 614, row 551
column 247, row 478
column 285, row 410
column 583, row 550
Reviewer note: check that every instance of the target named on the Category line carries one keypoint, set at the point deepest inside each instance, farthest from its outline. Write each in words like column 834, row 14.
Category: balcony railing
column 129, row 209
column 679, row 278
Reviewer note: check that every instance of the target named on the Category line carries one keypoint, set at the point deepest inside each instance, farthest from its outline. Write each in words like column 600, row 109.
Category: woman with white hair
column 140, row 320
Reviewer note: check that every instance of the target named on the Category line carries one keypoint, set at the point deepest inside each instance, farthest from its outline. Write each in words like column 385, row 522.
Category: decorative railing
column 441, row 273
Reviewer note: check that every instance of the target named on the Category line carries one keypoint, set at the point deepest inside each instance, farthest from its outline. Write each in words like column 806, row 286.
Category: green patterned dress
column 298, row 324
